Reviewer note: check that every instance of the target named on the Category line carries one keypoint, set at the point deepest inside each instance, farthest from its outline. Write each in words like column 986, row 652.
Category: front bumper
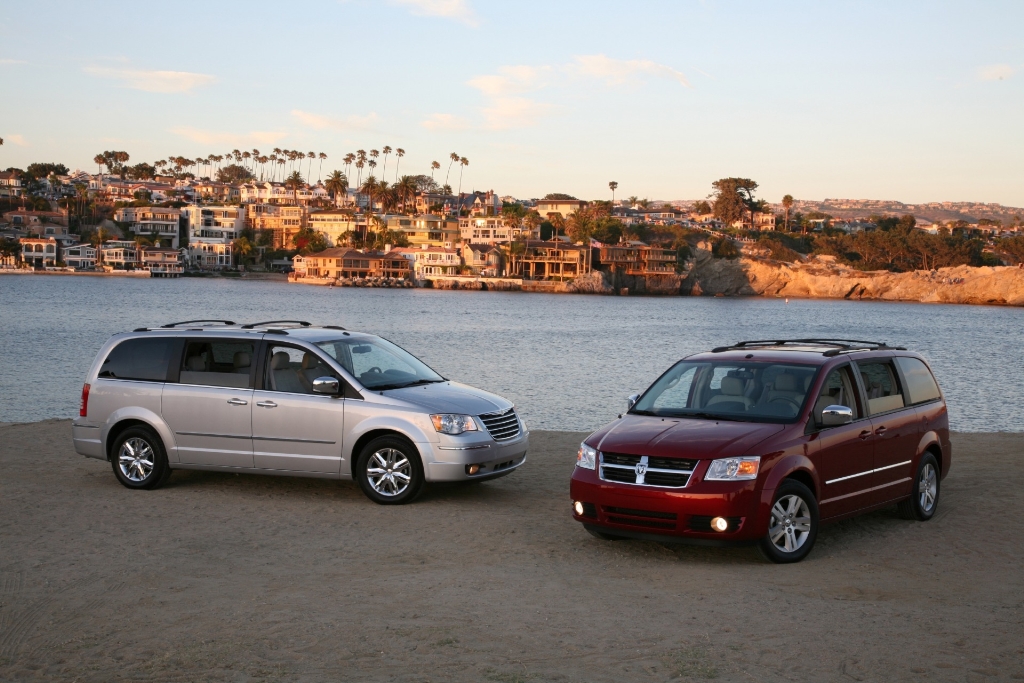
column 679, row 514
column 449, row 458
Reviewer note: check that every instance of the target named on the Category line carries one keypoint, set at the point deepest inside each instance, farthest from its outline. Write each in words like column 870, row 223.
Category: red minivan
column 762, row 441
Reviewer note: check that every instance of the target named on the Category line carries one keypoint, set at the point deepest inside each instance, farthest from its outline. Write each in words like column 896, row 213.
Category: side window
column 293, row 370
column 838, row 391
column 921, row 386
column 218, row 363
column 139, row 359
column 881, row 386
column 677, row 394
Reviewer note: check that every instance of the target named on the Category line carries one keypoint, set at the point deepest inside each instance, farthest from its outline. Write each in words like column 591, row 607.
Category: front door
column 895, row 426
column 209, row 407
column 293, row 428
column 846, row 452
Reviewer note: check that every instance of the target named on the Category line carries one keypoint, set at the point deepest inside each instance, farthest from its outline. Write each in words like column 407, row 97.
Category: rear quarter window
column 139, row 359
column 921, row 386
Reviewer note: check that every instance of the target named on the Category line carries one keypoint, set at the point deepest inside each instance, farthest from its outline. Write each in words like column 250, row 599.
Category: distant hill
column 933, row 211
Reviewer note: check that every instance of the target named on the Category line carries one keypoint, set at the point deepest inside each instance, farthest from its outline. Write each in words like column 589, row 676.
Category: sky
column 911, row 101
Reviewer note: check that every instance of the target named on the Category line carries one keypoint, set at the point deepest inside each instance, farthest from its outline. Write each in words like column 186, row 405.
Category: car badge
column 641, row 469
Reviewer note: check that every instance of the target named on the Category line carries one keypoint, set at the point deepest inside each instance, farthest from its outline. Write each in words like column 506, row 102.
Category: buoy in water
column 787, row 299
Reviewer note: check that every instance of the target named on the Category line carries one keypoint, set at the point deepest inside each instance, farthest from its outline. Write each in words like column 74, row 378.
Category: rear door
column 895, row 426
column 209, row 405
column 293, row 428
column 845, row 452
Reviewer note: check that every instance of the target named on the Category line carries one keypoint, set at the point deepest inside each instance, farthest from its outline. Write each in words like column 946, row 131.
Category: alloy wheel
column 135, row 459
column 790, row 524
column 927, row 488
column 389, row 472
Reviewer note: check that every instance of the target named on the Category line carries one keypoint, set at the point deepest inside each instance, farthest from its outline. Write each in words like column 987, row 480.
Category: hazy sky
column 896, row 100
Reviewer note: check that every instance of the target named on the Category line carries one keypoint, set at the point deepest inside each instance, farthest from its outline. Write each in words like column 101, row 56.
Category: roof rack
column 300, row 323
column 839, row 345
column 191, row 322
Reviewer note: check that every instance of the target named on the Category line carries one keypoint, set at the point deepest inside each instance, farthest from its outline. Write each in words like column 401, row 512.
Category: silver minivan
column 288, row 398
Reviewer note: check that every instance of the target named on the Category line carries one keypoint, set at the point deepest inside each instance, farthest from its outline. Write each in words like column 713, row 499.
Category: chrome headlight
column 447, row 423
column 586, row 457
column 734, row 469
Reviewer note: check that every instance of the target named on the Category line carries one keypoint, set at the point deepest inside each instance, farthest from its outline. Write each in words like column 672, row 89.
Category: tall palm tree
column 372, row 164
column 434, row 165
column 787, row 204
column 246, row 155
column 369, row 188
column 281, row 161
column 337, row 184
column 373, row 157
column 463, row 163
column 399, row 153
column 359, row 172
column 99, row 161
column 349, row 158
column 386, row 149
column 454, row 156
column 309, row 163
column 532, row 221
column 614, row 186
column 321, row 171
column 557, row 222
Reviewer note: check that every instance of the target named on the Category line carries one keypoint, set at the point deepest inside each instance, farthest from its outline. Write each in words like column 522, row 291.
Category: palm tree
column 557, row 222
column 349, row 158
column 454, row 157
column 463, row 163
column 386, row 149
column 614, row 186
column 372, row 164
column 387, row 196
column 336, row 184
column 632, row 200
column 787, row 204
column 321, row 171
column 309, row 164
column 281, row 161
column 242, row 247
column 373, row 157
column 99, row 161
column 369, row 188
column 532, row 220
column 294, row 182
column 359, row 172
column 434, row 165
column 399, row 153
column 406, row 187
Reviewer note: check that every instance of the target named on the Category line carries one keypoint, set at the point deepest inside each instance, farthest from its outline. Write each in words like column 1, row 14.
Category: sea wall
column 823, row 278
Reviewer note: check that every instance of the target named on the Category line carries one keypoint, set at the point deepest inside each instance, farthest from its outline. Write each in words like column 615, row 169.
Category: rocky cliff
column 823, row 278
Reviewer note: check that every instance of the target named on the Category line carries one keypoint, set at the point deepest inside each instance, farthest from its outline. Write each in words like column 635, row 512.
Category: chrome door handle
column 864, row 434
column 267, row 404
column 237, row 402
column 880, row 431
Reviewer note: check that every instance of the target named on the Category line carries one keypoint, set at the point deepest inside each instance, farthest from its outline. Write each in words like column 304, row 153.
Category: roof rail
column 190, row 322
column 300, row 323
column 840, row 345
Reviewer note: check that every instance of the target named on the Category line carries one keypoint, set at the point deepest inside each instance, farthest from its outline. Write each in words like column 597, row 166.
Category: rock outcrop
column 822, row 278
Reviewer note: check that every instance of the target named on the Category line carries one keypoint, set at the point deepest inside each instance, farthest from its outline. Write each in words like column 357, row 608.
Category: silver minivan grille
column 502, row 426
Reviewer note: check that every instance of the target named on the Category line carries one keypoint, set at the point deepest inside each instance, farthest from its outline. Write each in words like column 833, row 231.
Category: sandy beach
column 226, row 577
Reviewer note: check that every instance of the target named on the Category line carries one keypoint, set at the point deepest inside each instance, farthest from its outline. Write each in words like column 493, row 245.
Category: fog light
column 472, row 469
column 720, row 524
column 578, row 507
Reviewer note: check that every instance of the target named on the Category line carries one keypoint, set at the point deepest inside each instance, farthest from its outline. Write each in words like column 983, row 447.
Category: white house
column 155, row 222
column 80, row 256
column 214, row 224
column 427, row 260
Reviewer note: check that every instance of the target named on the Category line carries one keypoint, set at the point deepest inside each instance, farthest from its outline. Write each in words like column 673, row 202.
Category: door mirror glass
column 631, row 400
column 833, row 416
column 326, row 385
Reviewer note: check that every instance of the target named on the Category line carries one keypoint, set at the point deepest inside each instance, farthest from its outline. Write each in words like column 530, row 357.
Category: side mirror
column 833, row 416
column 631, row 400
column 326, row 385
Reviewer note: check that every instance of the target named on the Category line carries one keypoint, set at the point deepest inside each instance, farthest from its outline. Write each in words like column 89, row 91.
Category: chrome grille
column 644, row 471
column 502, row 426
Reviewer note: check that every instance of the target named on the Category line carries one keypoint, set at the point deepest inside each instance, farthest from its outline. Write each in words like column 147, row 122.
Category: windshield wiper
column 637, row 411
column 710, row 416
column 386, row 387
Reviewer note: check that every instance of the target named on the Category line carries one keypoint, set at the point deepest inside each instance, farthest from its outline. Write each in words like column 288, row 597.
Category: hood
column 681, row 437
column 451, row 397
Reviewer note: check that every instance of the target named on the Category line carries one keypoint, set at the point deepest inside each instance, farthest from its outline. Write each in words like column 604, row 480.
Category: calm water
column 567, row 361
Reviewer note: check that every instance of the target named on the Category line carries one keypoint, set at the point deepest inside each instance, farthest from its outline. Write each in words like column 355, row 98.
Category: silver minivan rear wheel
column 139, row 460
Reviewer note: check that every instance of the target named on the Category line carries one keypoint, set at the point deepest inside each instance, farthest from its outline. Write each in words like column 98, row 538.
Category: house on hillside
column 563, row 207
column 637, row 258
column 154, row 222
column 554, row 260
column 342, row 262
column 430, row 260
column 485, row 260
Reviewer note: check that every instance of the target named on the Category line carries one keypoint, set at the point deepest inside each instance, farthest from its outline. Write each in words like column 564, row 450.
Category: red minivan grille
column 646, row 471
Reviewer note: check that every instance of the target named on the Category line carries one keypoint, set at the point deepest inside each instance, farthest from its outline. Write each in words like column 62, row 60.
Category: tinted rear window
column 139, row 359
column 921, row 385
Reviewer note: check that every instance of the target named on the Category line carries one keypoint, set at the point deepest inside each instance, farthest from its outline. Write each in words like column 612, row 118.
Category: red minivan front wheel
column 793, row 525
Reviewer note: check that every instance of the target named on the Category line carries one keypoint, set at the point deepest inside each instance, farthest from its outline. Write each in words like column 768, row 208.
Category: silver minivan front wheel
column 389, row 470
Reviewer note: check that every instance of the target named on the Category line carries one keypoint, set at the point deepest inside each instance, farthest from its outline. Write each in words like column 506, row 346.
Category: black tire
column 139, row 460
column 371, row 471
column 791, row 497
column 603, row 536
column 924, row 498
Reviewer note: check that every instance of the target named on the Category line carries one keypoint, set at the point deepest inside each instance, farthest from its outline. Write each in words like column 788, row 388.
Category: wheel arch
column 930, row 444
column 376, row 433
column 117, row 429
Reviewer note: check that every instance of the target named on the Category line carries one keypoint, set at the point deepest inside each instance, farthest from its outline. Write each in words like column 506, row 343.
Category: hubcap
column 135, row 459
column 790, row 524
column 927, row 488
column 389, row 472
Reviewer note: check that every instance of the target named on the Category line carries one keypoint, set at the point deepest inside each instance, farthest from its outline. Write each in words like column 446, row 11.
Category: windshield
column 757, row 392
column 378, row 364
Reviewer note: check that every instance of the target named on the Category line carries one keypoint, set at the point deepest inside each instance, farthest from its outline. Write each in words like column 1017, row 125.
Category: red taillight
column 84, row 409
